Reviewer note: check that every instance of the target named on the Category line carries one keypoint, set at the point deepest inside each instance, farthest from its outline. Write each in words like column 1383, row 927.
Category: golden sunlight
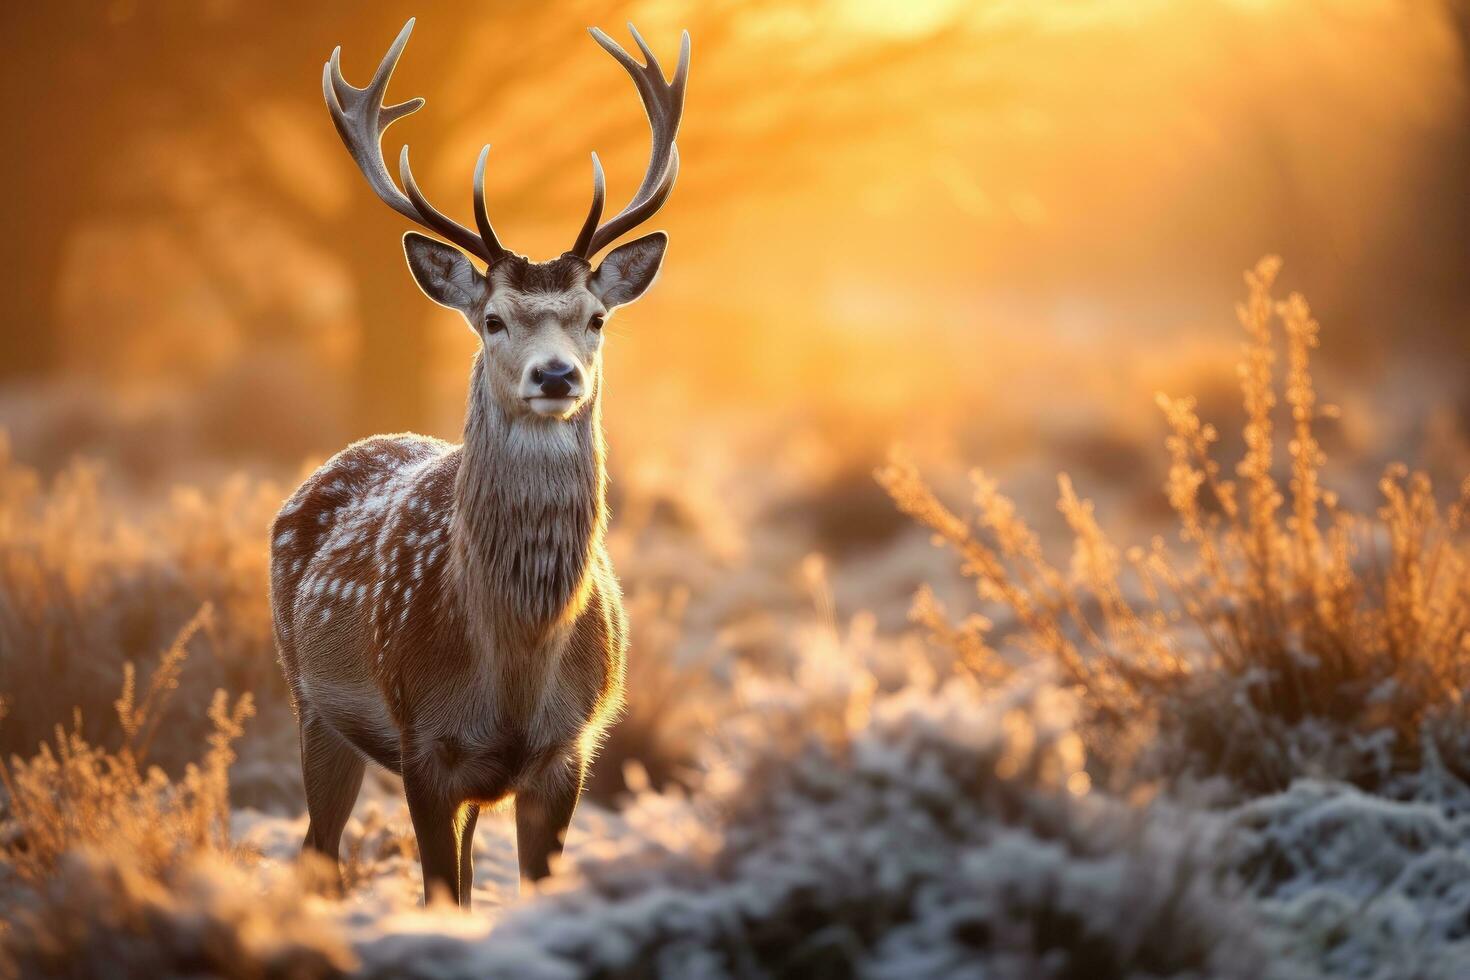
column 902, row 545
column 898, row 18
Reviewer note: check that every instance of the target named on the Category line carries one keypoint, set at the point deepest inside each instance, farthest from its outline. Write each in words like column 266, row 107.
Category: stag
column 449, row 611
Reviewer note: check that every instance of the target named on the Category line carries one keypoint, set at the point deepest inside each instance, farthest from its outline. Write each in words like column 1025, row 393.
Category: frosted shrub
column 919, row 833
column 1288, row 637
column 102, row 915
column 1356, row 885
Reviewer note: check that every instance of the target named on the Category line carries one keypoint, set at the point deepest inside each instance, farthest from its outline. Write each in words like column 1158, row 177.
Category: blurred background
column 988, row 231
column 916, row 214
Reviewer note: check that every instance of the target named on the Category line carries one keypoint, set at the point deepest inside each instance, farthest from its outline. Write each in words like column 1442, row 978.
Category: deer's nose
column 555, row 379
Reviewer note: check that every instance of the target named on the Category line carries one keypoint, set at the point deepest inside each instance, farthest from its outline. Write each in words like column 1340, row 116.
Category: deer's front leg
column 467, row 819
column 543, row 812
column 435, row 824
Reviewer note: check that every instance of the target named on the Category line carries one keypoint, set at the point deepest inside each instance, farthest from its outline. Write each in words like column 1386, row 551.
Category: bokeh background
column 998, row 220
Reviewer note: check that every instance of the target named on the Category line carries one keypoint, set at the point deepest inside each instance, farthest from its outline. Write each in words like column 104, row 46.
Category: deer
column 449, row 611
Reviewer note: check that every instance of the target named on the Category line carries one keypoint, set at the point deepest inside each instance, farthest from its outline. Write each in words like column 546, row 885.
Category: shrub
column 1357, row 885
column 107, row 863
column 74, row 795
column 1314, row 641
column 91, row 581
column 925, row 832
column 101, row 915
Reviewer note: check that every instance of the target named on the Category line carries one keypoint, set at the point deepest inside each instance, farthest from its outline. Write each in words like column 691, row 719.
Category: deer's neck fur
column 529, row 519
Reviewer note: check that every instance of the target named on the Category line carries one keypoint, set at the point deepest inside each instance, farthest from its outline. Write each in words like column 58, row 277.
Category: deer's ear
column 629, row 270
column 444, row 274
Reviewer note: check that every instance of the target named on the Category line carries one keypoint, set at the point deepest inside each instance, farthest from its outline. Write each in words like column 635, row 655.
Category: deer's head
column 540, row 322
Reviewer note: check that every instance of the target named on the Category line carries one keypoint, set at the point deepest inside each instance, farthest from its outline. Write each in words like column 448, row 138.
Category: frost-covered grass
column 936, row 830
column 924, row 832
column 929, row 832
column 1355, row 884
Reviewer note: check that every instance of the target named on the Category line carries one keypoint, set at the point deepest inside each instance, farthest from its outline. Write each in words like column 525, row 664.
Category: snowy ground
column 934, row 835
column 390, row 883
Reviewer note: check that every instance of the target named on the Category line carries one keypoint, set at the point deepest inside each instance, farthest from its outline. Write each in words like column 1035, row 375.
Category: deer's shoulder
column 368, row 466
column 362, row 485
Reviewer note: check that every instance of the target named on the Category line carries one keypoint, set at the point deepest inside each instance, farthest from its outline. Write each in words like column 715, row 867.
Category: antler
column 664, row 103
column 361, row 119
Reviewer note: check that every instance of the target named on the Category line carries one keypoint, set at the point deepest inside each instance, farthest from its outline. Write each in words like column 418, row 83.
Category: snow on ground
column 934, row 831
column 929, row 833
column 942, row 837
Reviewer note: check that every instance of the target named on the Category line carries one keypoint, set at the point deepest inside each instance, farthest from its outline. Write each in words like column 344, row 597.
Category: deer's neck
column 529, row 515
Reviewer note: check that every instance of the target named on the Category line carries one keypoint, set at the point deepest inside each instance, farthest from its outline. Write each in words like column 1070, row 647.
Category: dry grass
column 92, row 580
column 74, row 795
column 105, row 916
column 1288, row 636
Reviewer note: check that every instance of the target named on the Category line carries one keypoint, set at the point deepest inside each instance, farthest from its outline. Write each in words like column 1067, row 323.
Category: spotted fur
column 449, row 611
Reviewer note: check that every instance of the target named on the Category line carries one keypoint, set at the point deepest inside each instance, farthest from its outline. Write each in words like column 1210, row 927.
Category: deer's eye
column 493, row 323
column 596, row 322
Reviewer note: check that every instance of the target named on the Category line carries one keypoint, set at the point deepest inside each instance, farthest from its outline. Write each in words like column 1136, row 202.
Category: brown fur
column 524, row 276
column 450, row 612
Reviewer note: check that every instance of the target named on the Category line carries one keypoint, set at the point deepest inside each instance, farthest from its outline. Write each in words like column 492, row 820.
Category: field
column 1239, row 745
column 1001, row 605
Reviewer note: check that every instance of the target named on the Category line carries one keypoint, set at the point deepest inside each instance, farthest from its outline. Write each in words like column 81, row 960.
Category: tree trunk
column 390, row 378
column 31, row 252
